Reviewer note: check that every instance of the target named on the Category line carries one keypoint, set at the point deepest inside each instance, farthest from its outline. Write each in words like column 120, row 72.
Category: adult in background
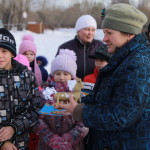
column 83, row 45
column 118, row 110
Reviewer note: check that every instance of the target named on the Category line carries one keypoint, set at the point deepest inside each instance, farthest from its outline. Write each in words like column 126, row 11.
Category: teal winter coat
column 118, row 110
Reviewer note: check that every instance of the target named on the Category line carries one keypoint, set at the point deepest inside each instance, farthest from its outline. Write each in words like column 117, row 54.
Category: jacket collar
column 17, row 67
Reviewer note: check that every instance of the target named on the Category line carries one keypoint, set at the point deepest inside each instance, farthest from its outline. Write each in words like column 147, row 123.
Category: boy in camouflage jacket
column 19, row 97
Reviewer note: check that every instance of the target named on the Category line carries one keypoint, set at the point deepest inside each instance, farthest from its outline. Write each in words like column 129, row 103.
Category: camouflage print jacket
column 19, row 102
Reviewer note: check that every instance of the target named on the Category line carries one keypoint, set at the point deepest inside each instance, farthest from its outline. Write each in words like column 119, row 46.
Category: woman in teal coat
column 118, row 110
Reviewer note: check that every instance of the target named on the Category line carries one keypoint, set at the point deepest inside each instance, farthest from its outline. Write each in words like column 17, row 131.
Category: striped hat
column 7, row 41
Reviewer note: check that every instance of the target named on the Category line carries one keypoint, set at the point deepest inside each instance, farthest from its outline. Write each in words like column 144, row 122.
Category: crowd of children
column 56, row 132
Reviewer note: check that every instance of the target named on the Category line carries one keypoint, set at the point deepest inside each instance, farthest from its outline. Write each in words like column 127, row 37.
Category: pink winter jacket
column 59, row 132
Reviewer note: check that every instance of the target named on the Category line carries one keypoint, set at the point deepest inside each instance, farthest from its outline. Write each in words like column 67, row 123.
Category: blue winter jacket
column 118, row 110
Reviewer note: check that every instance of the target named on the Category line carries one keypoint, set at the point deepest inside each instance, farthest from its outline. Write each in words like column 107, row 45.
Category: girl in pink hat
column 28, row 48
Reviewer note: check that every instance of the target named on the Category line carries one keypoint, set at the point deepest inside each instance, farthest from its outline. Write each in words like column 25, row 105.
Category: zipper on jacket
column 10, row 94
column 84, row 55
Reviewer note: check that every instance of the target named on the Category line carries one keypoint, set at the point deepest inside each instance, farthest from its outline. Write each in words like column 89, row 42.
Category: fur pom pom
column 68, row 52
column 43, row 60
column 28, row 37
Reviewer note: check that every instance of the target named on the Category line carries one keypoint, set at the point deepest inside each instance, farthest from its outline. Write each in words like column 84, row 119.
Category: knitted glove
column 68, row 137
column 58, row 143
column 62, row 146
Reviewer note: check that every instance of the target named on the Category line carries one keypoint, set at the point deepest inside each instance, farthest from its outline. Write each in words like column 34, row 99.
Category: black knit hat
column 7, row 41
column 101, row 53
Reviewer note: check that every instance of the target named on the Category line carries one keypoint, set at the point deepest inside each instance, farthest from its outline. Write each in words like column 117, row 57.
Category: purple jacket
column 85, row 65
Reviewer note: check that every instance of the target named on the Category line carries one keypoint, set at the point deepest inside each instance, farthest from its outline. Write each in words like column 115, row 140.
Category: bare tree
column 145, row 3
column 144, row 7
column 120, row 1
column 52, row 16
column 12, row 11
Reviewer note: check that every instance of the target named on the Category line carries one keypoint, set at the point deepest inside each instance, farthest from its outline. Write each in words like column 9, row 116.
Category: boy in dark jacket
column 101, row 57
column 19, row 97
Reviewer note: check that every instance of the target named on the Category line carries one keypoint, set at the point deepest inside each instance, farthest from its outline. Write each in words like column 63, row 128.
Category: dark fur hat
column 41, row 60
column 101, row 53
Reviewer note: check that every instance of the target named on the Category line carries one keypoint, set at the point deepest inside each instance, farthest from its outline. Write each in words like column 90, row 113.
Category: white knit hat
column 65, row 61
column 85, row 21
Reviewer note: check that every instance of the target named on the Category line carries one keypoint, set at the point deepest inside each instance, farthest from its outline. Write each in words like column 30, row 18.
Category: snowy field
column 48, row 42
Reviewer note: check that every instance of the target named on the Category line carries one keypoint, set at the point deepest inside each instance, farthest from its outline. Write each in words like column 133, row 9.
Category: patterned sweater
column 19, row 102
column 59, row 132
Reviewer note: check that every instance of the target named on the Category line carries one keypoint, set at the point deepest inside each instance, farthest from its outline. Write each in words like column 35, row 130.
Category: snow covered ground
column 48, row 42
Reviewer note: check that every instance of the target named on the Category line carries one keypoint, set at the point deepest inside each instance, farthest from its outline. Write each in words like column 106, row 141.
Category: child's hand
column 8, row 146
column 6, row 133
column 62, row 146
column 55, row 139
column 59, row 143
column 67, row 137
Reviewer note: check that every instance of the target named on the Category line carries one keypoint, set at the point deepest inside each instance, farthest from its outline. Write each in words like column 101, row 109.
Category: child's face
column 5, row 59
column 100, row 63
column 62, row 76
column 86, row 35
column 30, row 55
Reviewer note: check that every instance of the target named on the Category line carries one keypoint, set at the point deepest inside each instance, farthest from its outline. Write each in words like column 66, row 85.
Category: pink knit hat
column 23, row 60
column 65, row 61
column 28, row 44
